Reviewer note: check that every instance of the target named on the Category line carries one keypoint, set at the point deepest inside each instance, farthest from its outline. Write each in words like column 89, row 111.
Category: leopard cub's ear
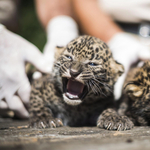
column 58, row 51
column 133, row 90
column 117, row 69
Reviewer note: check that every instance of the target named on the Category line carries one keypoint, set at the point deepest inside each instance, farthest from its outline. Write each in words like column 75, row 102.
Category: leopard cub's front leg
column 111, row 120
column 40, row 114
column 43, row 118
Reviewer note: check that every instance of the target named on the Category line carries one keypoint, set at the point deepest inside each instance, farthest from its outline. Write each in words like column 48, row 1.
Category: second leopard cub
column 135, row 102
column 80, row 90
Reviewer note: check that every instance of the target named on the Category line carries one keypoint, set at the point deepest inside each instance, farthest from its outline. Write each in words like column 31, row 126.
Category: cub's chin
column 73, row 91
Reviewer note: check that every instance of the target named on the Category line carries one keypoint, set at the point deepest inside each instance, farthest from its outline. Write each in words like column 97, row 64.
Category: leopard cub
column 136, row 97
column 79, row 92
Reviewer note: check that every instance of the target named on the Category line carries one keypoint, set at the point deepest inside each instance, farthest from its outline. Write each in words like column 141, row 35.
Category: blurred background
column 29, row 26
column 23, row 20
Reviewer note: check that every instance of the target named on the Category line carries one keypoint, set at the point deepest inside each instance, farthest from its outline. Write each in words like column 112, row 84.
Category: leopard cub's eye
column 92, row 64
column 69, row 57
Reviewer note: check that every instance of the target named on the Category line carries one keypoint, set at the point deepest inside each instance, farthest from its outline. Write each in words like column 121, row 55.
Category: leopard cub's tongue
column 74, row 87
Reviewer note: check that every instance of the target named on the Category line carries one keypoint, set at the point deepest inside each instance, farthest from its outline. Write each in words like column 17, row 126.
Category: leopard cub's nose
column 74, row 73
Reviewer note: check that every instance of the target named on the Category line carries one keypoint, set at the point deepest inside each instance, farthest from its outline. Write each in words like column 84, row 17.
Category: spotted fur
column 136, row 96
column 79, row 92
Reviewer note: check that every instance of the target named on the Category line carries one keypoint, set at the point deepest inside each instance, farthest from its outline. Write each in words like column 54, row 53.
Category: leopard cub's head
column 86, row 67
column 139, row 87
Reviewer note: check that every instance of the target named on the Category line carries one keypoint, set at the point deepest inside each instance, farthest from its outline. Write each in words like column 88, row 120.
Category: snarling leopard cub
column 136, row 96
column 80, row 90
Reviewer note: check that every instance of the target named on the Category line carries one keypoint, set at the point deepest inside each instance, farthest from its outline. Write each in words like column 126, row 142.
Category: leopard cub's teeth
column 71, row 96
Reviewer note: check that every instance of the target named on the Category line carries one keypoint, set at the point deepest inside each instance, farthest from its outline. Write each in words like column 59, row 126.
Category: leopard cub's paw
column 114, row 122
column 45, row 123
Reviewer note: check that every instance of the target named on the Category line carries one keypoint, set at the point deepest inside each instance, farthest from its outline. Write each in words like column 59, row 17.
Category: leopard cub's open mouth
column 73, row 91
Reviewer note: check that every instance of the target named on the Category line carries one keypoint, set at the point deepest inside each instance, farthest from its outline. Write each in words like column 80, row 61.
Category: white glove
column 60, row 31
column 14, row 84
column 127, row 10
column 126, row 50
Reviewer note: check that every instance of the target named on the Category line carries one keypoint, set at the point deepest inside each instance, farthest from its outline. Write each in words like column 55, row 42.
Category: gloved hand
column 60, row 31
column 14, row 84
column 126, row 49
